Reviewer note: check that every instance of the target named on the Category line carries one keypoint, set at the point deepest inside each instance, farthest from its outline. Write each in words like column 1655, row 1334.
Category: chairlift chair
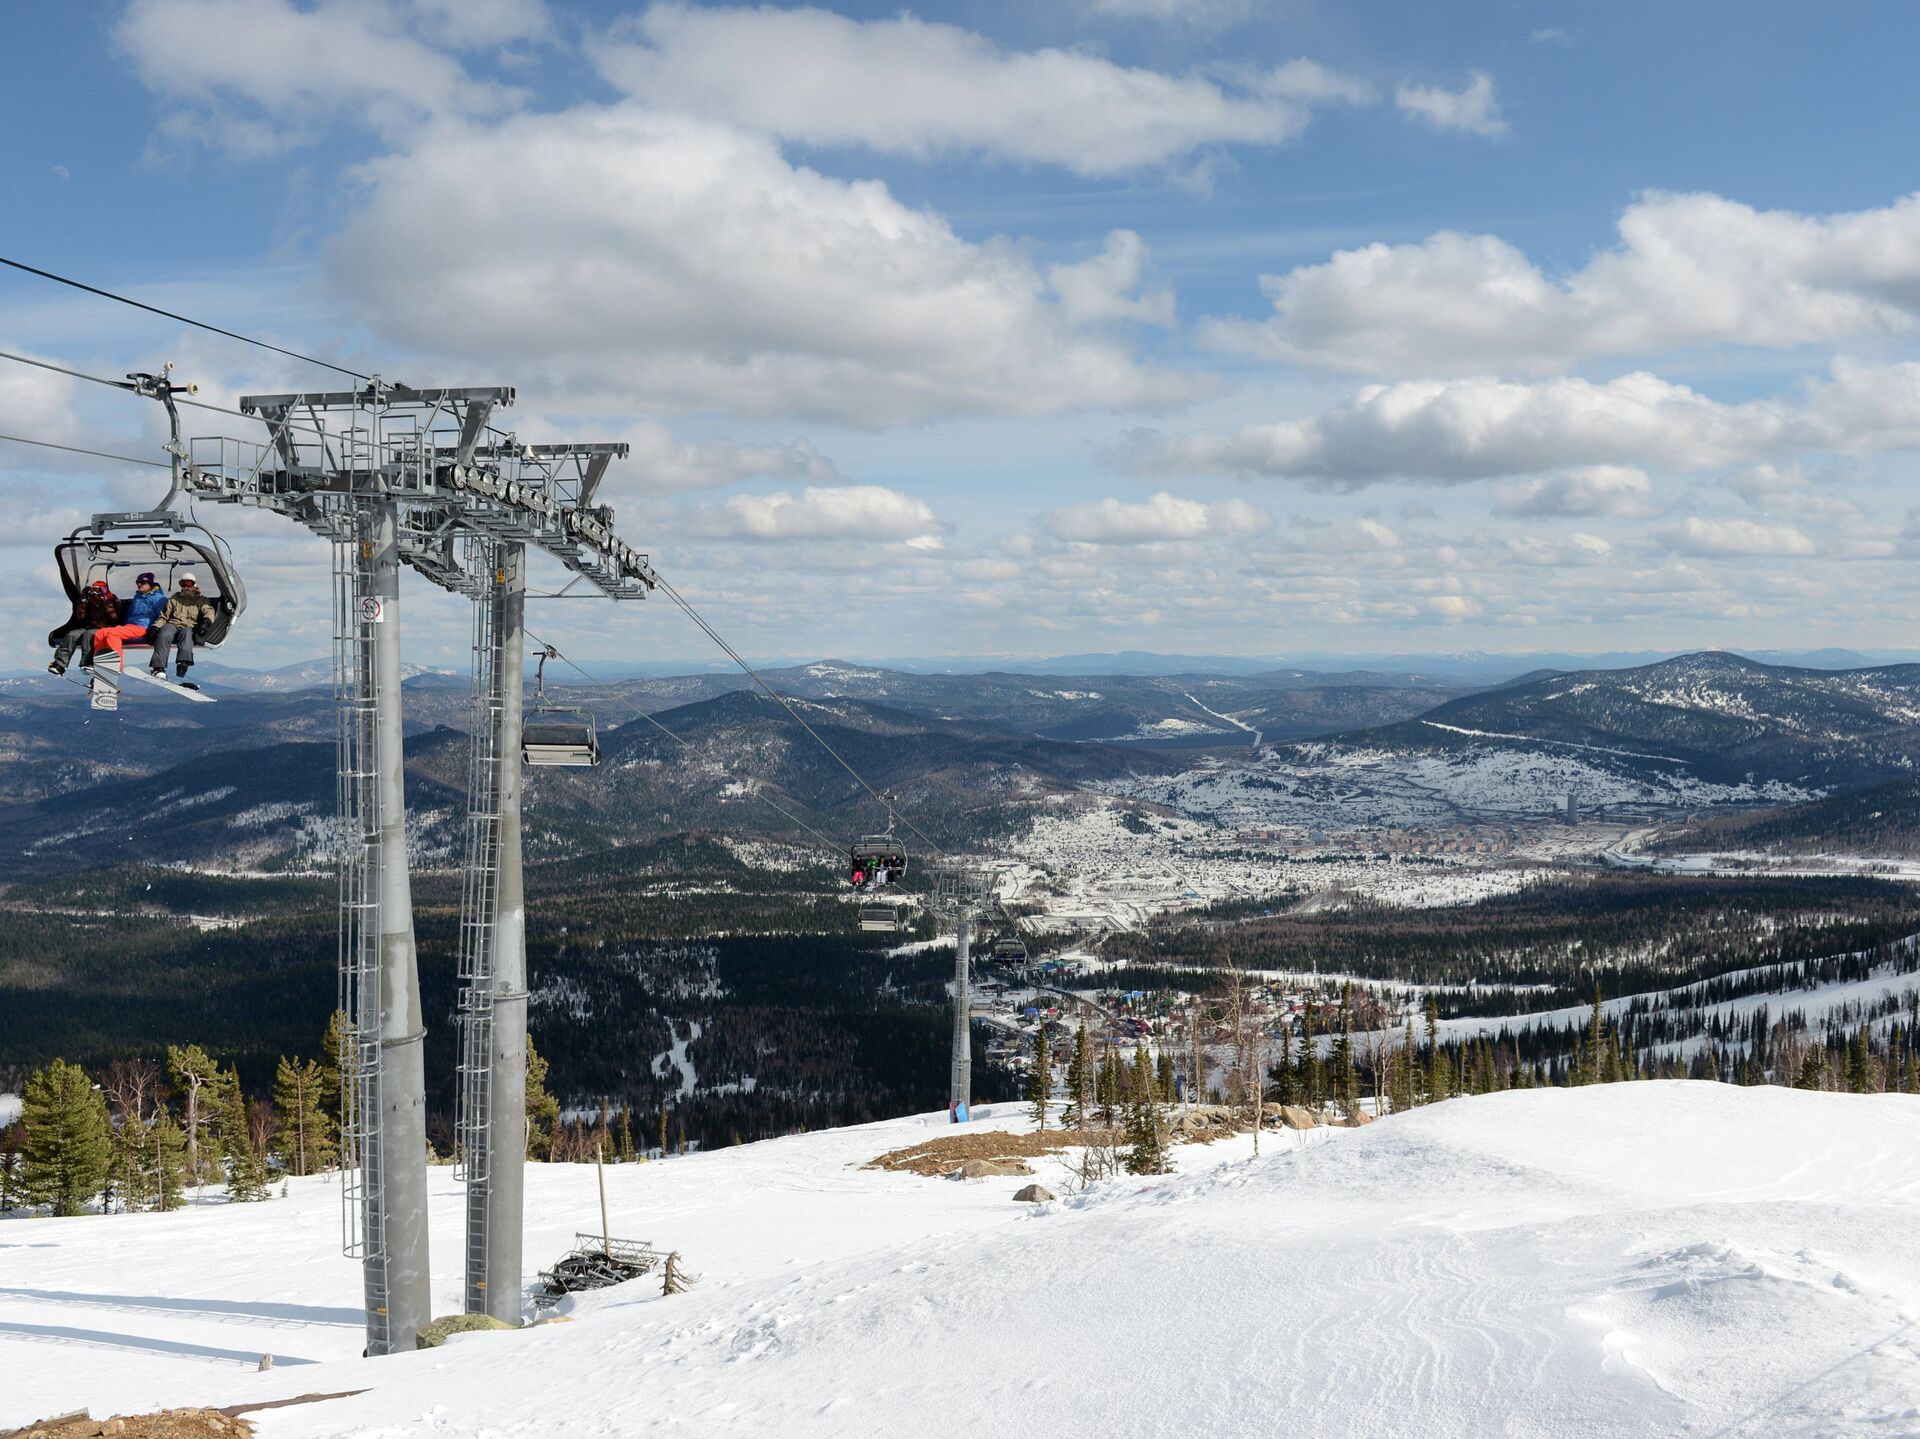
column 872, row 853
column 556, row 736
column 1010, row 952
column 115, row 548
column 882, row 918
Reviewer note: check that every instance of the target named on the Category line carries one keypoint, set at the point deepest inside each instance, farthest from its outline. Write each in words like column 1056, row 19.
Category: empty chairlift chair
column 554, row 736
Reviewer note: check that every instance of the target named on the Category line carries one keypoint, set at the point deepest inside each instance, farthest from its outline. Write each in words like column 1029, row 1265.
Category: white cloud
column 1578, row 548
column 1190, row 12
column 660, row 262
column 1161, row 518
column 255, row 76
column 912, row 87
column 1690, row 270
column 1552, row 35
column 1460, row 430
column 465, row 24
column 1617, row 490
column 1107, row 286
column 659, row 461
column 1714, row 537
column 841, row 512
column 1473, row 109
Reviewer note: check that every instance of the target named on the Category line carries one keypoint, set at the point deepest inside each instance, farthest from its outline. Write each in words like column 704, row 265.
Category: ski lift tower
column 395, row 477
column 961, row 893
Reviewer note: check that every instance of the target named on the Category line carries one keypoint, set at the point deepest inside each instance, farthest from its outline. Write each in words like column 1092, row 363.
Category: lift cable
column 128, row 388
column 183, row 319
column 97, row 454
column 753, row 674
column 615, row 694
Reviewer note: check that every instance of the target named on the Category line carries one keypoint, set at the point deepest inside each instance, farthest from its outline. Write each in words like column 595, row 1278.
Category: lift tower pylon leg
column 960, row 1088
column 401, row 1191
column 493, row 1094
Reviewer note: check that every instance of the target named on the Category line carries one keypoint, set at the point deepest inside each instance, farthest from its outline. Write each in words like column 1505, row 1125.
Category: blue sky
column 1223, row 326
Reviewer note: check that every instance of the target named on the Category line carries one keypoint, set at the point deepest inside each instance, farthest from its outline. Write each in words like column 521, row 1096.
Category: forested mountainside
column 1880, row 821
column 1724, row 717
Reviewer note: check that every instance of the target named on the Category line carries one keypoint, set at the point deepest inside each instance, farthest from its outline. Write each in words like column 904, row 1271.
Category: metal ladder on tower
column 478, row 907
column 357, row 813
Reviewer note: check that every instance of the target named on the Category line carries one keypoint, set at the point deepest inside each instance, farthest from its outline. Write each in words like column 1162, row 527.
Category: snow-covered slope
column 1636, row 1259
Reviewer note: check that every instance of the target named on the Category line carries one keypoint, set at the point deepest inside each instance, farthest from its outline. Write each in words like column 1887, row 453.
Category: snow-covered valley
column 1635, row 1259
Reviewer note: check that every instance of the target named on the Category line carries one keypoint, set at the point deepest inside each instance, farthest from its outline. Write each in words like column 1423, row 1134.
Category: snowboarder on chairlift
column 97, row 609
column 187, row 614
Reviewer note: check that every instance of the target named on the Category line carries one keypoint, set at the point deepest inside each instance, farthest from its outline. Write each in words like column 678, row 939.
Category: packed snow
column 1635, row 1259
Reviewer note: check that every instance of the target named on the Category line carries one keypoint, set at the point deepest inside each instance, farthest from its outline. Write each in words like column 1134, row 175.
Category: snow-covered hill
column 1652, row 1258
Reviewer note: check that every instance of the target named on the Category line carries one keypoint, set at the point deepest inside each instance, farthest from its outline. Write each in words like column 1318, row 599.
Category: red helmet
column 101, row 585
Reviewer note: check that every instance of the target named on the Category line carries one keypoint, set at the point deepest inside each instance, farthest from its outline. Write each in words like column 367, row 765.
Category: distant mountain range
column 247, row 781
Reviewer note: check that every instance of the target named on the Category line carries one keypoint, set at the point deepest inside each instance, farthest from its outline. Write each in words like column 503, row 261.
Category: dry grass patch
column 936, row 1157
column 166, row 1424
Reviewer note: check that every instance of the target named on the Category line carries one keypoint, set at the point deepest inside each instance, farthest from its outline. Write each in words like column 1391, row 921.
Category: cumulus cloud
column 914, row 87
column 1163, row 517
column 667, row 263
column 256, row 76
column 1473, row 109
column 1718, row 537
column 1578, row 548
column 659, row 461
column 1616, row 490
column 1689, row 270
column 1461, row 430
column 1189, row 12
column 840, row 512
column 1107, row 286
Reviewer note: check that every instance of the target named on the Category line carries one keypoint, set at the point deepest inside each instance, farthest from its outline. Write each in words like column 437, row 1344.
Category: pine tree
column 1164, row 1081
column 1312, row 1077
column 246, row 1167
column 1813, row 1069
column 337, row 1067
column 1588, row 1069
column 1346, row 1076
column 663, row 1129
column 11, row 1139
column 1403, row 1067
column 1040, row 1080
column 1712, row 1068
column 626, row 1151
column 304, row 1133
column 1080, row 1079
column 1146, row 1145
column 1436, row 1089
column 1911, row 1085
column 1285, row 1088
column 543, row 1110
column 1859, row 1063
column 67, row 1150
column 130, row 1174
column 168, row 1173
column 1110, row 1092
column 194, row 1075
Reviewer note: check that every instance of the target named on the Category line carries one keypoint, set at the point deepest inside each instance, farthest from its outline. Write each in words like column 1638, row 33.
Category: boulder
column 991, row 1168
column 1296, row 1117
column 1036, row 1194
column 1352, row 1119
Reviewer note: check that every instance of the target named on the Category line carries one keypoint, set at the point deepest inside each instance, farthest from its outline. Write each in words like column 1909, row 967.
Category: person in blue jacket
column 145, row 604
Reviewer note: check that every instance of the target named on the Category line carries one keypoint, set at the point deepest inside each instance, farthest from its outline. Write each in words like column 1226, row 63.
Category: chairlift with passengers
column 875, row 862
column 1010, row 951
column 553, row 735
column 115, row 548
